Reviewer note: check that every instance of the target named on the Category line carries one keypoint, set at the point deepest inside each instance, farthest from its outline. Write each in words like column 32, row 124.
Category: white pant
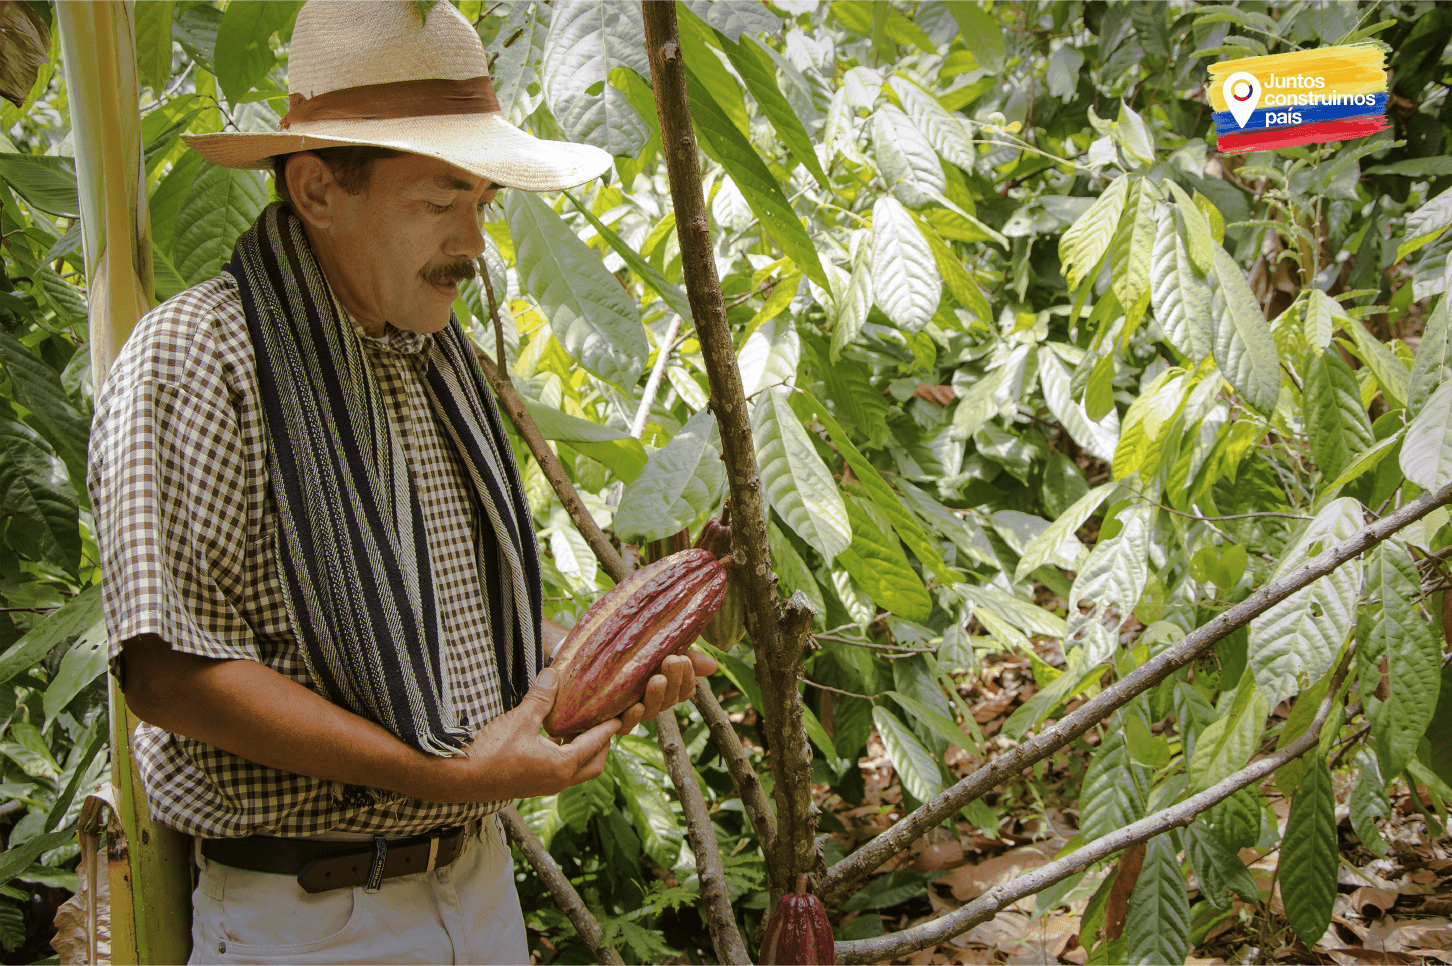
column 466, row 912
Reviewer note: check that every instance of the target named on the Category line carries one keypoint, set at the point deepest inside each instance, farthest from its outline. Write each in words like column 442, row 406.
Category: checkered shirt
column 185, row 523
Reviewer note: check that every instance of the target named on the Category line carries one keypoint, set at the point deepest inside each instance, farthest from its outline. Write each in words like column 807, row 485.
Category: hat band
column 411, row 98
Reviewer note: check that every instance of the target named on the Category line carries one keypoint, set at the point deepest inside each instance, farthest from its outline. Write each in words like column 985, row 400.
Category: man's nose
column 467, row 238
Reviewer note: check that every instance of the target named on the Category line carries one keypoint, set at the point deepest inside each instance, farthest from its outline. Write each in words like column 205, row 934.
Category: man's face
column 397, row 250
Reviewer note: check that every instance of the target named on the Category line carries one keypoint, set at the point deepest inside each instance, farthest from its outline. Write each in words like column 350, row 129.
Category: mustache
column 456, row 271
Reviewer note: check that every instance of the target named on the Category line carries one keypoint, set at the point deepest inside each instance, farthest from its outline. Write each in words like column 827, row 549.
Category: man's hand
column 675, row 683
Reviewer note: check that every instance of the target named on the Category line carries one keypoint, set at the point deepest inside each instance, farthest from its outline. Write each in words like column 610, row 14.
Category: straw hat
column 366, row 72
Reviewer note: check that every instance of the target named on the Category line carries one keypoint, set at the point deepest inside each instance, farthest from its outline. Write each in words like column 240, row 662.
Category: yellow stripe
column 1353, row 69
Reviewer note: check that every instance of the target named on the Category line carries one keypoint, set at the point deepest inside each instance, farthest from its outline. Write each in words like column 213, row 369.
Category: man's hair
column 351, row 165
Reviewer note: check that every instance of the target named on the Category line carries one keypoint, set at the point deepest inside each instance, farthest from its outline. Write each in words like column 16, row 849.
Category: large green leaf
column 1181, row 298
column 1048, row 543
column 244, row 54
column 729, row 148
column 906, row 284
column 220, row 204
column 1216, row 868
column 906, row 159
column 166, row 199
column 638, row 768
column 20, row 858
column 679, row 483
column 38, row 388
column 792, row 571
column 47, row 183
column 798, row 484
column 876, row 562
column 1157, row 926
column 981, row 32
column 1426, row 456
column 1391, row 373
column 1296, row 640
column 1402, row 649
column 1086, row 241
column 614, row 449
column 961, row 284
column 876, row 489
column 1201, row 241
column 1241, row 337
column 1027, row 617
column 946, row 132
column 37, row 498
column 587, row 40
column 1112, row 579
column 596, row 321
column 759, row 73
column 916, row 767
column 1335, row 419
column 1131, row 256
column 1432, row 366
column 83, row 662
column 671, row 294
column 78, row 614
column 1227, row 743
column 514, row 59
column 1110, row 797
column 853, row 304
column 733, row 19
column 1369, row 803
column 153, row 42
column 1099, row 437
column 1309, row 856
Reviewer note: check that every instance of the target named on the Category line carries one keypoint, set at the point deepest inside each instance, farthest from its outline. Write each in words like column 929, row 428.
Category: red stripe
column 1355, row 127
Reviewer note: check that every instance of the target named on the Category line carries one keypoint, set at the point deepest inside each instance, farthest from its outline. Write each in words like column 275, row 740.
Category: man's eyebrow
column 450, row 183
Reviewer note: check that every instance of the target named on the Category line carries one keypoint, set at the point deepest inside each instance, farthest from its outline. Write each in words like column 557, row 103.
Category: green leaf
column 981, row 32
column 1236, row 820
column 1391, row 373
column 1368, row 803
column 1336, row 421
column 78, row 614
column 734, row 19
column 1181, row 298
column 728, row 147
column 1087, row 240
column 243, row 55
column 38, row 388
column 791, row 570
column 1110, row 798
column 798, row 484
column 21, row 857
column 1402, row 645
column 940, row 724
column 1227, row 743
column 1368, row 460
column 1309, row 855
column 1415, row 168
column 166, row 200
column 904, row 157
column 678, row 484
column 1099, row 437
column 944, row 131
column 153, row 42
column 916, row 767
column 37, row 496
column 85, row 661
column 1134, row 244
column 877, row 564
column 1201, row 240
column 1029, row 618
column 47, row 183
column 876, row 489
column 595, row 319
column 1432, row 366
column 671, row 294
column 757, row 70
column 818, row 734
column 853, row 304
column 218, row 207
column 1427, row 450
column 960, row 283
column 1241, row 338
column 639, row 772
column 78, row 767
column 1048, row 543
column 1296, row 640
column 586, row 41
column 905, row 280
column 1216, row 868
column 611, row 447
column 1113, row 577
column 1157, row 926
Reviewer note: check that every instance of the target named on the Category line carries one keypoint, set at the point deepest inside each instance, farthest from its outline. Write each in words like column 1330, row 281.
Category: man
column 321, row 580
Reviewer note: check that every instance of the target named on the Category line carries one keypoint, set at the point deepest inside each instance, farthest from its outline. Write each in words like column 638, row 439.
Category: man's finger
column 589, row 744
column 702, row 664
column 539, row 699
column 633, row 716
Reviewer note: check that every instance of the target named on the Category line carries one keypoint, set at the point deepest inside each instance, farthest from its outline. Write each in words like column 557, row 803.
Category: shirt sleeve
column 167, row 486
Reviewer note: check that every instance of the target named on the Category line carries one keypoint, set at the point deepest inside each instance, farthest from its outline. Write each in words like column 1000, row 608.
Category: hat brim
column 485, row 144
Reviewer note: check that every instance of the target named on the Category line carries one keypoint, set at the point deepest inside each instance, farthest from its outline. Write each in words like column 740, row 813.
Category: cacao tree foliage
column 1032, row 371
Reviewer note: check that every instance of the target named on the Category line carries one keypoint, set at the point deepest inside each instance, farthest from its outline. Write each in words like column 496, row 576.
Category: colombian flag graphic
column 1305, row 97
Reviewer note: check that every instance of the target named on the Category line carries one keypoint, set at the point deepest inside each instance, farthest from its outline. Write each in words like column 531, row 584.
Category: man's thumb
column 541, row 696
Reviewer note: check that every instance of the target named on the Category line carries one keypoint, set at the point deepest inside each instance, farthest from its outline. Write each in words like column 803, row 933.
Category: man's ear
column 311, row 186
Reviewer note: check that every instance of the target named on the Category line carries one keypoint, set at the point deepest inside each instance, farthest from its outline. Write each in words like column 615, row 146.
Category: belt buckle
column 380, row 857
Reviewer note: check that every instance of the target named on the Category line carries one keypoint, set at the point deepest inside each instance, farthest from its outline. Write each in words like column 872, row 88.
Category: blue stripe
column 1225, row 122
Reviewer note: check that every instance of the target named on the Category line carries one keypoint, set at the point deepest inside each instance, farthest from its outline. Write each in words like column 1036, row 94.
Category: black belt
column 320, row 866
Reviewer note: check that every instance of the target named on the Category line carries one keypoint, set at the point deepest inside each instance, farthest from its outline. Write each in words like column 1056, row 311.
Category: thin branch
column 559, row 886
column 725, row 934
column 778, row 633
column 988, row 905
column 652, row 385
column 524, row 424
column 848, row 694
column 846, row 876
column 728, row 743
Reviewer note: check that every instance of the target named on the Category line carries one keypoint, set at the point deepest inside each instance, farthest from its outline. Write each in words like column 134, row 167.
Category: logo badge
column 1242, row 94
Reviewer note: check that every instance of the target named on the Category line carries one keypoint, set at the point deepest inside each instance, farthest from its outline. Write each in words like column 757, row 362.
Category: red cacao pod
column 729, row 624
column 798, row 931
column 608, row 658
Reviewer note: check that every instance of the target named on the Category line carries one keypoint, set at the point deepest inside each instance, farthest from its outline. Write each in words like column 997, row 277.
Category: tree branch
column 845, row 877
column 725, row 934
column 995, row 900
column 728, row 743
column 777, row 656
column 554, row 879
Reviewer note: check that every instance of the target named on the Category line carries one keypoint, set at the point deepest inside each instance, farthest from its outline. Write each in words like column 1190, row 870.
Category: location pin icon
column 1242, row 93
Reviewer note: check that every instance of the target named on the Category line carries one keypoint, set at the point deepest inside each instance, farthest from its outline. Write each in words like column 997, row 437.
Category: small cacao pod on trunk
column 729, row 624
column 608, row 658
column 798, row 931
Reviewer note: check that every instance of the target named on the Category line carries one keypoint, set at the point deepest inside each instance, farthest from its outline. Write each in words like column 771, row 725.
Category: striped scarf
column 351, row 541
